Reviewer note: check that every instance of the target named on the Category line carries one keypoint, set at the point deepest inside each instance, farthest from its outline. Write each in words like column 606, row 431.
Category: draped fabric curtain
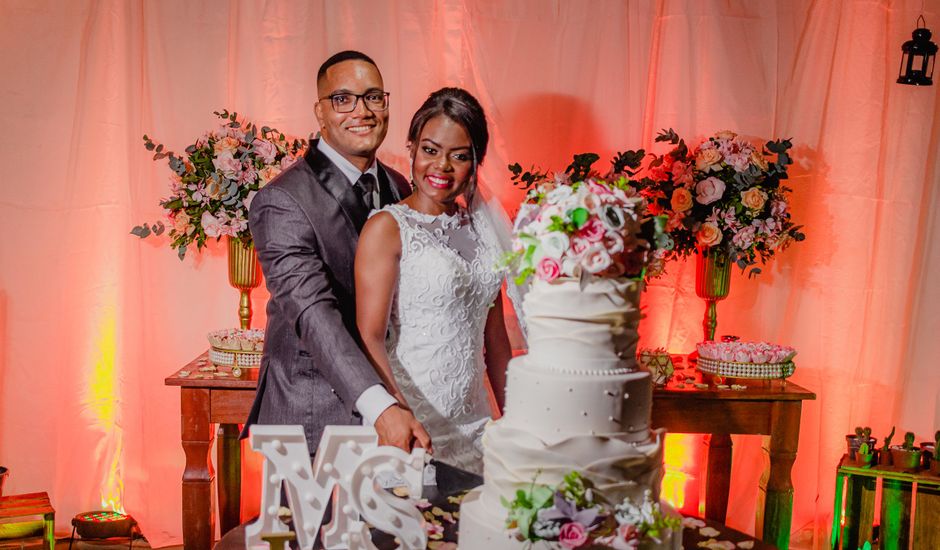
column 92, row 319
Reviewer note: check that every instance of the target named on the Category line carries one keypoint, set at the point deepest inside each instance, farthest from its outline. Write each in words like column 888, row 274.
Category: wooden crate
column 906, row 497
column 25, row 509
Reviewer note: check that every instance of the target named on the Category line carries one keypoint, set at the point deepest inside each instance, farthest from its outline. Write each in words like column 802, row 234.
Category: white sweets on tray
column 236, row 348
column 738, row 359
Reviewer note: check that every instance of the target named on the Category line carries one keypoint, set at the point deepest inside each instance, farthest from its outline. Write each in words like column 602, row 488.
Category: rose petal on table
column 746, row 545
column 709, row 532
column 692, row 522
column 423, row 504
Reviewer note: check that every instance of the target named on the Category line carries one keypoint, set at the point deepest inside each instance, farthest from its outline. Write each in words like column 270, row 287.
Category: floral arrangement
column 579, row 224
column 745, row 352
column 575, row 515
column 723, row 196
column 212, row 185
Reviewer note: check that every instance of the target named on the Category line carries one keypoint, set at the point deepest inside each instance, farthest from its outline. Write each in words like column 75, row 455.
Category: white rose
column 527, row 213
column 596, row 259
column 559, row 194
column 554, row 244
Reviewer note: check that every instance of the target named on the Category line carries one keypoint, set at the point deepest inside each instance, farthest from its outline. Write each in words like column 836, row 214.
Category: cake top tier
column 590, row 328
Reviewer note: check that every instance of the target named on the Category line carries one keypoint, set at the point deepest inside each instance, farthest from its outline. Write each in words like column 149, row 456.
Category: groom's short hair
column 345, row 55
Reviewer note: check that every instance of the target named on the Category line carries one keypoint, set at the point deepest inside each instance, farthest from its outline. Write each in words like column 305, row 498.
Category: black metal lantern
column 917, row 57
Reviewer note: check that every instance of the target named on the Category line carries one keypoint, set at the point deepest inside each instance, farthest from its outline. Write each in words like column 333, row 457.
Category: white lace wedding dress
column 447, row 283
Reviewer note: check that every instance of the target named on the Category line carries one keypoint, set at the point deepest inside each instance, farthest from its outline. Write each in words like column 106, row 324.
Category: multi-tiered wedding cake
column 575, row 403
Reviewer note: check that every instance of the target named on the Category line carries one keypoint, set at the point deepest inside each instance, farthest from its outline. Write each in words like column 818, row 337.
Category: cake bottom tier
column 514, row 458
column 482, row 527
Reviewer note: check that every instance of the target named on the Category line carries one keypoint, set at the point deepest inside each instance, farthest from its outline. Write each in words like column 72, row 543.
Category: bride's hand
column 398, row 427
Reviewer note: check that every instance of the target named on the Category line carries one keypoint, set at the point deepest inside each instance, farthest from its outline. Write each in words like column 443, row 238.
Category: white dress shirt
column 372, row 402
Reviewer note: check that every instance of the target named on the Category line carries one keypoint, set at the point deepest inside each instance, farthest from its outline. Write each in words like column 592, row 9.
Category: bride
column 426, row 278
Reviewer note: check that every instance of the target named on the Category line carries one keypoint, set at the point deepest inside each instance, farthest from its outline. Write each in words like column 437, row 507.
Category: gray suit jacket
column 305, row 225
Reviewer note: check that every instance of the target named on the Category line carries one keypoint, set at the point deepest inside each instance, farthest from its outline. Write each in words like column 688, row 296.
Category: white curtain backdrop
column 92, row 319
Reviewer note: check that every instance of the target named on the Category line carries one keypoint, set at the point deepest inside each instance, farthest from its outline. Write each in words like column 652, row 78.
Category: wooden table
column 764, row 408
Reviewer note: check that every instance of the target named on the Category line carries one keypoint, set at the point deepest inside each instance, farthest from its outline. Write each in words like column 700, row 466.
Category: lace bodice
column 447, row 283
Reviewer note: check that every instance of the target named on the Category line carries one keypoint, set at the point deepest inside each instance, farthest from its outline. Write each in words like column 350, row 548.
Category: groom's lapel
column 337, row 185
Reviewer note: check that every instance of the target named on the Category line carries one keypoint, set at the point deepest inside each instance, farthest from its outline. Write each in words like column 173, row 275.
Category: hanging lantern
column 917, row 57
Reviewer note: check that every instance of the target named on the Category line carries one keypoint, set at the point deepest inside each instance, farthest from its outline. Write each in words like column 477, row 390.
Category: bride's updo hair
column 460, row 106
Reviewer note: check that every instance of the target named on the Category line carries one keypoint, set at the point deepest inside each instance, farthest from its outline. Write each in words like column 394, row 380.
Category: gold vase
column 244, row 273
column 712, row 282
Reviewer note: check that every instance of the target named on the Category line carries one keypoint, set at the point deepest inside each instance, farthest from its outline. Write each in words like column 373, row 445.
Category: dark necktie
column 365, row 185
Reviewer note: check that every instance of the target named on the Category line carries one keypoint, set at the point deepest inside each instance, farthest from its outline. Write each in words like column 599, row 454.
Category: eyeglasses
column 345, row 102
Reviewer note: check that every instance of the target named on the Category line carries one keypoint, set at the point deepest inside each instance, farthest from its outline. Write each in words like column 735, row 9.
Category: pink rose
column 709, row 190
column 681, row 200
column 211, row 225
column 287, row 160
column 548, row 269
column 778, row 208
column 708, row 235
column 265, row 149
column 224, row 162
column 592, row 231
column 572, row 535
column 579, row 246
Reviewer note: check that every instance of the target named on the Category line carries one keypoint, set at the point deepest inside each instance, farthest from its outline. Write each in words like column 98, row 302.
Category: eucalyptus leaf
column 181, row 252
column 158, row 228
column 141, row 231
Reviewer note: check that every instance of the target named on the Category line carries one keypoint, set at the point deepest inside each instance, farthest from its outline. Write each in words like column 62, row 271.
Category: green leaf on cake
column 579, row 216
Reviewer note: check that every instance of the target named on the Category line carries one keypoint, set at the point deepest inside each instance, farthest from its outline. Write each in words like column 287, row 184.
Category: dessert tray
column 236, row 348
column 756, row 360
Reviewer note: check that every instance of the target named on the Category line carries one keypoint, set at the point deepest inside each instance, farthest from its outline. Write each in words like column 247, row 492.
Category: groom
column 305, row 226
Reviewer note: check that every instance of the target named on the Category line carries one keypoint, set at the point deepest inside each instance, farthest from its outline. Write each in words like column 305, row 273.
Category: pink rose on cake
column 596, row 259
column 548, row 269
column 592, row 231
column 572, row 535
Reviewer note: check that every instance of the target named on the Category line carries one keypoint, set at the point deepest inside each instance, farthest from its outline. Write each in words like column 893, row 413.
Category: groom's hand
column 398, row 427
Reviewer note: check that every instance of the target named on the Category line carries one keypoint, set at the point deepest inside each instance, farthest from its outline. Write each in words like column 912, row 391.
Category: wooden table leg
column 718, row 476
column 198, row 509
column 775, row 501
column 48, row 531
column 229, row 486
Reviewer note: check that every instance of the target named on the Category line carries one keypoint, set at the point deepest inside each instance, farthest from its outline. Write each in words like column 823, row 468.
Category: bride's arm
column 377, row 258
column 498, row 350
